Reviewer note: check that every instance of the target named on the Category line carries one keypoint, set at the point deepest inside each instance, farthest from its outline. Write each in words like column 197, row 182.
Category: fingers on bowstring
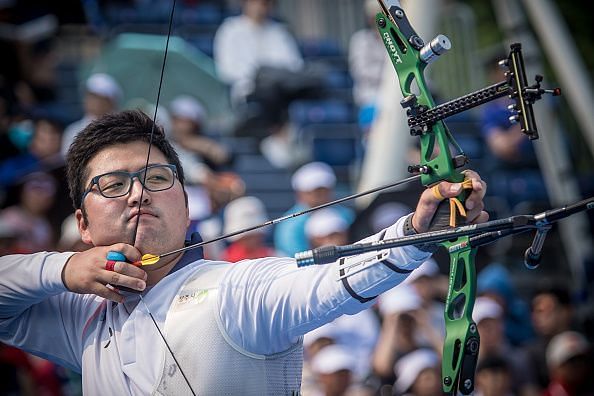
column 108, row 293
column 120, row 276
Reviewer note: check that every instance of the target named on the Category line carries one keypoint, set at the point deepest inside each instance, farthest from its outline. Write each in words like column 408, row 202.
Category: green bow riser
column 462, row 339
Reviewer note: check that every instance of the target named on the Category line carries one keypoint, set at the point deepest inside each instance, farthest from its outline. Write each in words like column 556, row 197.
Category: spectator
column 43, row 153
column 102, row 96
column 569, row 360
column 188, row 121
column 488, row 316
column 261, row 61
column 508, row 145
column 70, row 239
column 552, row 314
column 418, row 374
column 313, row 184
column 493, row 377
column 494, row 281
column 250, row 41
column 242, row 213
column 334, row 366
column 28, row 218
column 367, row 57
column 405, row 328
column 358, row 333
column 8, row 236
column 326, row 227
column 431, row 287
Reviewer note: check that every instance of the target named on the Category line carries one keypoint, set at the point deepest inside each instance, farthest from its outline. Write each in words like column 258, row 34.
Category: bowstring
column 148, row 156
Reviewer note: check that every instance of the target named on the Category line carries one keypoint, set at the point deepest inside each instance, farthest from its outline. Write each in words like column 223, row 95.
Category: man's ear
column 83, row 227
column 188, row 221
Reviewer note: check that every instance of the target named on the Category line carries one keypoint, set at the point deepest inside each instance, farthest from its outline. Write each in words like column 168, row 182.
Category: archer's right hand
column 85, row 272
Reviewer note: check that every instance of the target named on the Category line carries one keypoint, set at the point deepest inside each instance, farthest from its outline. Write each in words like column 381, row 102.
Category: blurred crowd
column 531, row 343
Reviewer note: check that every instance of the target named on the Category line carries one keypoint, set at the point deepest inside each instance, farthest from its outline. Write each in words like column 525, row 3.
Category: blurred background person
column 333, row 365
column 42, row 153
column 488, row 315
column 552, row 314
column 70, row 239
column 431, row 286
column 252, row 40
column 418, row 374
column 326, row 227
column 28, row 218
column 570, row 364
column 313, row 185
column 102, row 96
column 493, row 377
column 261, row 61
column 405, row 328
column 242, row 213
column 495, row 282
column 367, row 58
column 505, row 140
column 188, row 124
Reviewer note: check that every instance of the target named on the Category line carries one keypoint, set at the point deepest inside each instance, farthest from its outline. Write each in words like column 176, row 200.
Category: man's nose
column 136, row 191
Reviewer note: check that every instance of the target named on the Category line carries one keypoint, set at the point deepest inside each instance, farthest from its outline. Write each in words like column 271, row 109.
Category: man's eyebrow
column 139, row 169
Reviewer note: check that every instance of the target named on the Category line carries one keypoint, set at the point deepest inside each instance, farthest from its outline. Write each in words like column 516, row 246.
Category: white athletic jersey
column 234, row 328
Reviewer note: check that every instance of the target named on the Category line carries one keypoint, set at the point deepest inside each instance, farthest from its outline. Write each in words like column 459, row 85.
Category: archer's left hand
column 474, row 205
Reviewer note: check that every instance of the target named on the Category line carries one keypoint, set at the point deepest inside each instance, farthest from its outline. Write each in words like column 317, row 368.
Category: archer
column 226, row 329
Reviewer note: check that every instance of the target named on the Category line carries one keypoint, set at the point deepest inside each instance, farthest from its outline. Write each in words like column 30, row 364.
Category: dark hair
column 493, row 362
column 558, row 291
column 116, row 128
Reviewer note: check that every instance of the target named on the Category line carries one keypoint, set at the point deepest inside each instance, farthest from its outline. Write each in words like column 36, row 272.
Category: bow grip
column 443, row 215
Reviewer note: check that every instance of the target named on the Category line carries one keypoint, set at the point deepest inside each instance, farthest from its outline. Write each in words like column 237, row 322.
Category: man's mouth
column 142, row 213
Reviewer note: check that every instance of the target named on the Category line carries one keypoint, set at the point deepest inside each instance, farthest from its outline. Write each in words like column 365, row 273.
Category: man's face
column 46, row 141
column 257, row 9
column 548, row 316
column 164, row 214
column 315, row 197
column 96, row 105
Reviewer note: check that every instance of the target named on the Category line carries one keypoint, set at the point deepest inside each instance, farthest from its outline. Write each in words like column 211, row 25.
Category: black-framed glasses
column 119, row 183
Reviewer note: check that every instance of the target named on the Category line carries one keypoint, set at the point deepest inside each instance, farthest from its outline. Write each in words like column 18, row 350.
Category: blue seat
column 319, row 48
column 203, row 42
column 202, row 14
column 338, row 145
column 519, row 185
column 305, row 112
column 338, row 79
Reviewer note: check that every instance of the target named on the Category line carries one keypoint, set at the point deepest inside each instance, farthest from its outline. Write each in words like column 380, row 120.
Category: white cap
column 402, row 298
column 486, row 308
column 409, row 367
column 333, row 358
column 329, row 330
column 102, row 84
column 325, row 222
column 186, row 106
column 429, row 268
column 312, row 176
column 386, row 214
column 565, row 346
column 69, row 233
column 372, row 7
column 6, row 229
column 243, row 213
